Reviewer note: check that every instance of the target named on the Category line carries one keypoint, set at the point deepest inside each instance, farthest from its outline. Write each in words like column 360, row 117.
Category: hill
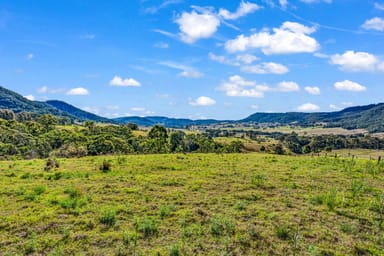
column 78, row 113
column 17, row 103
column 370, row 117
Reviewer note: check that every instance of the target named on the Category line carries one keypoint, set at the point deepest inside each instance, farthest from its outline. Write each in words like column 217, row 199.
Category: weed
column 331, row 199
column 108, row 217
column 166, row 210
column 220, row 226
column 282, row 232
column 38, row 190
column 258, row 180
column 357, row 188
column 378, row 207
column 147, row 226
column 174, row 250
column 240, row 205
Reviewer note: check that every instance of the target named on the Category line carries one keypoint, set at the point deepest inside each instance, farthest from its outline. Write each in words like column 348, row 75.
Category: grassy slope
column 195, row 204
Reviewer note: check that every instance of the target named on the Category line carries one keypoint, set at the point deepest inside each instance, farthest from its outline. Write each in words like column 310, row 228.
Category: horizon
column 194, row 59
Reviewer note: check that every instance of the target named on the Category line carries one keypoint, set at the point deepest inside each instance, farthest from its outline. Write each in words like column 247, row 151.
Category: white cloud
column 334, row 107
column 290, row 38
column 202, row 101
column 161, row 45
column 118, row 81
column 30, row 56
column 195, row 26
column 186, row 71
column 254, row 107
column 138, row 109
column 78, row 91
column 308, row 107
column 191, row 74
column 236, row 86
column 46, row 89
column 42, row 89
column 374, row 24
column 288, row 87
column 355, row 61
column 283, row 3
column 240, row 59
column 312, row 90
column 266, row 68
column 347, row 85
column 29, row 97
column 379, row 6
column 246, row 58
column 94, row 110
column 243, row 9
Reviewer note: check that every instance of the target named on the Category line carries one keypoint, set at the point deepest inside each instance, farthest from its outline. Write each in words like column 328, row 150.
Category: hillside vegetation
column 192, row 204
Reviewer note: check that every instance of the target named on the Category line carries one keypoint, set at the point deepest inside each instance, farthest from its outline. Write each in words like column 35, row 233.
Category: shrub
column 105, row 167
column 51, row 164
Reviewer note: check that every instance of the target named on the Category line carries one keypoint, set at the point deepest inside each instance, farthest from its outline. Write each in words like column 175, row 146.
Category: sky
column 194, row 59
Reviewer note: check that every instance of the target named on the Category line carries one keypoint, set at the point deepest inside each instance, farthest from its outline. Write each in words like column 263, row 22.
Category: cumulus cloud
column 194, row 26
column 186, row 71
column 356, row 61
column 312, row 90
column 288, row 86
column 243, row 9
column 347, row 85
column 29, row 97
column 202, row 101
column 118, row 81
column 236, row 86
column 266, row 68
column 289, row 38
column 374, row 24
column 308, row 107
column 78, row 91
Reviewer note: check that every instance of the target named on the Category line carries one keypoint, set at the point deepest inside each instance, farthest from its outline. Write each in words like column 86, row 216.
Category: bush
column 147, row 226
column 51, row 164
column 105, row 167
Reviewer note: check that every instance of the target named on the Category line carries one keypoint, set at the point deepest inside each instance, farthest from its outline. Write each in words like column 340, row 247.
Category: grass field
column 193, row 204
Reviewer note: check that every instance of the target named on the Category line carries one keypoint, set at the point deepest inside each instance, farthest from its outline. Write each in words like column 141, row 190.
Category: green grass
column 193, row 204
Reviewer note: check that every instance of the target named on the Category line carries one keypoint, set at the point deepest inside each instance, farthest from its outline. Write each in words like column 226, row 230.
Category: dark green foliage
column 283, row 232
column 148, row 226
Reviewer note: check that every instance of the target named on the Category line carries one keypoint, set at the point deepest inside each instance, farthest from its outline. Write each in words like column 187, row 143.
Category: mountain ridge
column 370, row 117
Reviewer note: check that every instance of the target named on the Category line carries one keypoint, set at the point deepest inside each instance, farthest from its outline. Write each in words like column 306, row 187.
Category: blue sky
column 194, row 59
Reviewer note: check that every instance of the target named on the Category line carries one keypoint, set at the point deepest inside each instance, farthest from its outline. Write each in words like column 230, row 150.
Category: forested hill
column 370, row 117
column 17, row 103
column 80, row 114
column 13, row 101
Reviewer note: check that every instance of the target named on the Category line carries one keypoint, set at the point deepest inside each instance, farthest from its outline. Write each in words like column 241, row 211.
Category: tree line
column 43, row 136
